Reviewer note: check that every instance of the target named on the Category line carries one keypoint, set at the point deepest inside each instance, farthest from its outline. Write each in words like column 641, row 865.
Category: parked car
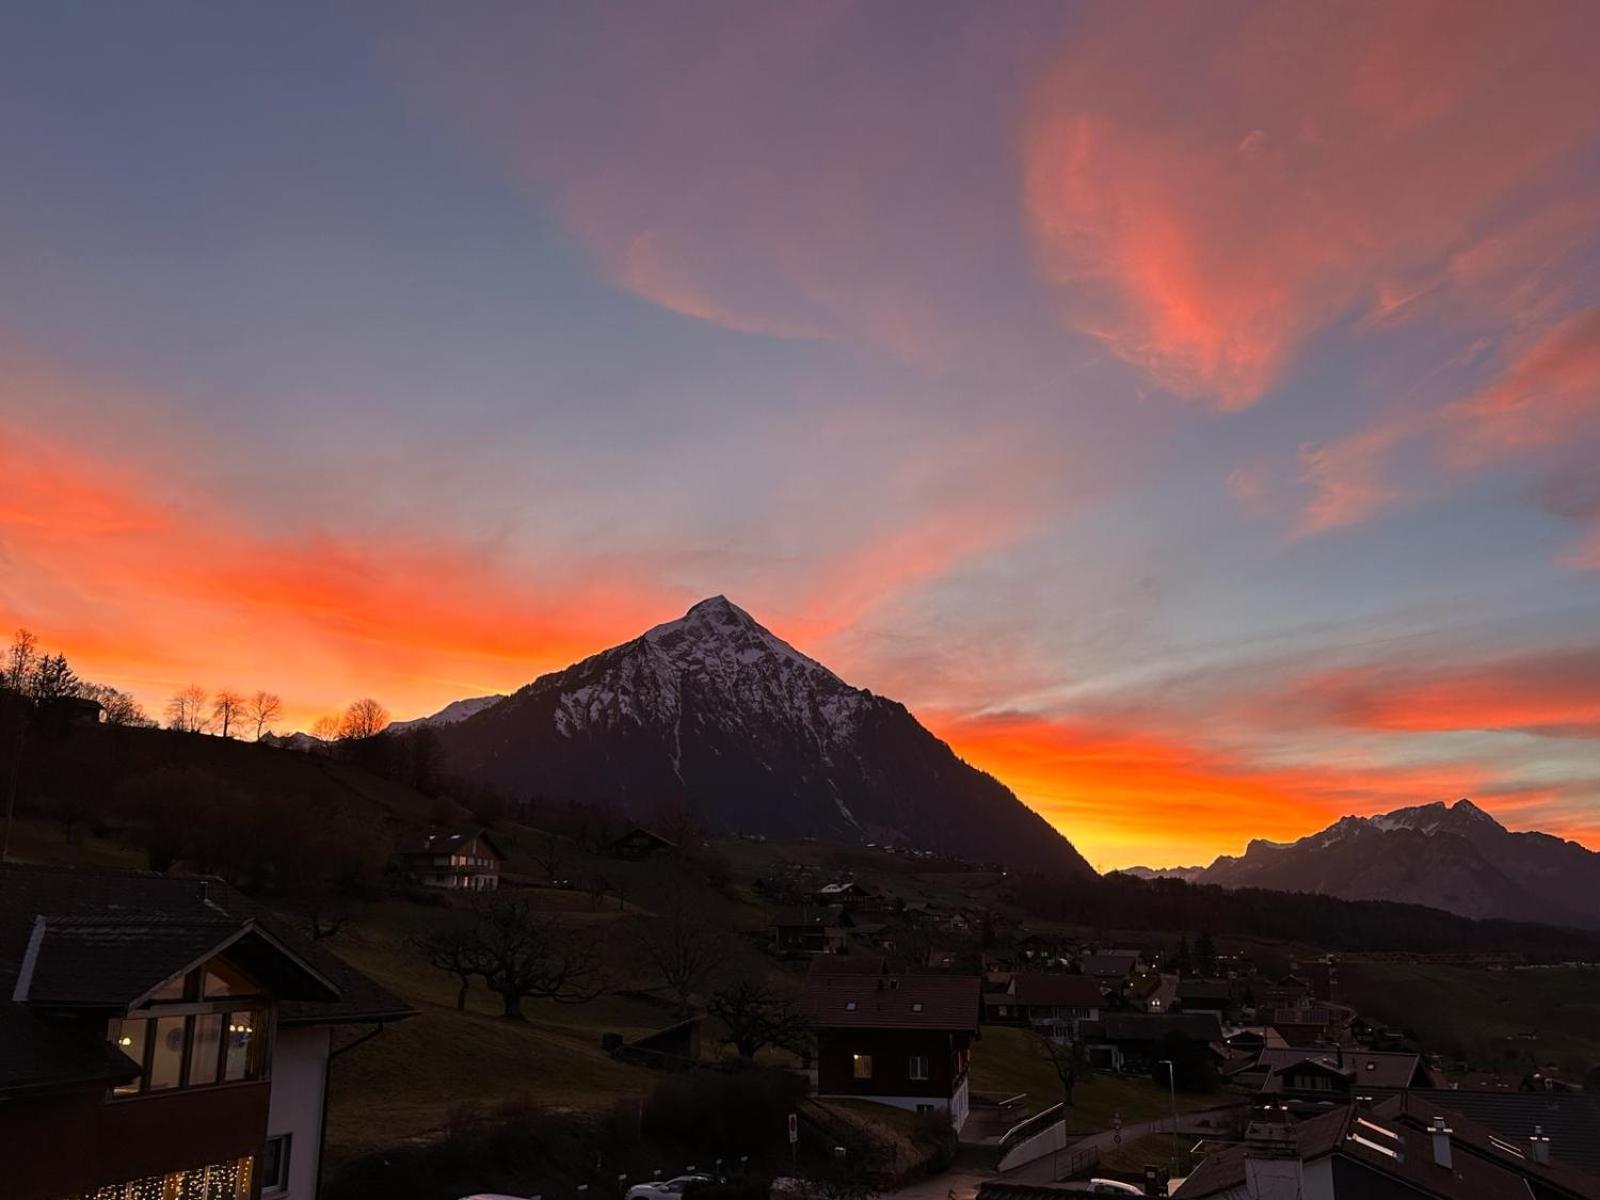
column 665, row 1189
column 1113, row 1187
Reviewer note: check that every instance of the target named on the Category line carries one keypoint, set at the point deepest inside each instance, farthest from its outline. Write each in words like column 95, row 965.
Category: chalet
column 846, row 964
column 1304, row 1023
column 1321, row 976
column 1055, row 1004
column 896, row 1040
column 163, row 1037
column 812, row 930
column 456, row 859
column 1401, row 1147
column 1298, row 1075
column 1130, row 1040
column 639, row 844
column 1213, row 996
column 846, row 892
column 1111, row 965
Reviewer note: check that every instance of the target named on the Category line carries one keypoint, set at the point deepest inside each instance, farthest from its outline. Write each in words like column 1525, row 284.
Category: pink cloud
column 1334, row 151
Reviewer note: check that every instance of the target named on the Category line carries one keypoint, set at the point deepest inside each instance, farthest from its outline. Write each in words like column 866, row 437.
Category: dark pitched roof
column 846, row 964
column 1394, row 1139
column 447, row 841
column 1370, row 1068
column 1110, row 966
column 1204, row 989
column 945, row 1002
column 109, row 904
column 1057, row 991
column 1571, row 1120
column 1152, row 1027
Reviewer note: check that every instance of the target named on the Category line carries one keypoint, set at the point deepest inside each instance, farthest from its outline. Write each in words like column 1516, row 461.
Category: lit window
column 166, row 1058
column 861, row 1066
column 849, row 1006
column 207, row 1046
column 241, row 1047
column 129, row 1037
column 918, row 1067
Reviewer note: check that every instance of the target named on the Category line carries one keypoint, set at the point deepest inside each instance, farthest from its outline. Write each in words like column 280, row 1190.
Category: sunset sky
column 1192, row 412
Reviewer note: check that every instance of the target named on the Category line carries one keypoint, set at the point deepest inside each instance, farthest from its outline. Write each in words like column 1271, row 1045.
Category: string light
column 219, row 1181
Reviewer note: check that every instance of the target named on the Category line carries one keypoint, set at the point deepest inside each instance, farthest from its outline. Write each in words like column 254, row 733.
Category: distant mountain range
column 1453, row 857
column 716, row 713
column 450, row 714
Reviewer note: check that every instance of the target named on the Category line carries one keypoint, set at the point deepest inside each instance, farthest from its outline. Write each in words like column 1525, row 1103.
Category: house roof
column 1394, row 1140
column 846, row 964
column 1370, row 1068
column 107, row 937
column 942, row 1002
column 118, row 961
column 1112, row 965
column 1057, row 991
column 1204, row 989
column 1571, row 1120
column 448, row 841
column 639, row 835
column 1152, row 1027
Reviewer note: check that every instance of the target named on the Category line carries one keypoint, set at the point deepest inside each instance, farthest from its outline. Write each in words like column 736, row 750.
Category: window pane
column 166, row 1063
column 275, row 1164
column 863, row 1065
column 241, row 1055
column 130, row 1038
column 173, row 989
column 207, row 1045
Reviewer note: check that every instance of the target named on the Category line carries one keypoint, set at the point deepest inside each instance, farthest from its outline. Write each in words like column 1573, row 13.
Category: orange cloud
column 1335, row 151
column 147, row 587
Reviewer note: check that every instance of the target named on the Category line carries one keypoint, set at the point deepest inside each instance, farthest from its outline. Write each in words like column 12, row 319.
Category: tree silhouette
column 261, row 710
column 20, row 658
column 186, row 711
column 363, row 719
column 227, row 710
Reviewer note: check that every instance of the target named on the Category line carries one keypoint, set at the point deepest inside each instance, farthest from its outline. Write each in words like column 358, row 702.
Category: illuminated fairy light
column 219, row 1181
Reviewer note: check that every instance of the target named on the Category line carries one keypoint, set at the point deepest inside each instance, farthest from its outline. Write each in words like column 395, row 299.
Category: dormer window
column 849, row 1006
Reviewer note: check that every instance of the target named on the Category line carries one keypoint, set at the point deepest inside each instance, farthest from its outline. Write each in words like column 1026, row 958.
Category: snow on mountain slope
column 1454, row 857
column 714, row 711
column 456, row 710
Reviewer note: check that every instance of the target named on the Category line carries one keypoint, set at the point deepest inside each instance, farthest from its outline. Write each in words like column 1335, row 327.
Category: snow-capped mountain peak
column 717, row 711
column 456, row 710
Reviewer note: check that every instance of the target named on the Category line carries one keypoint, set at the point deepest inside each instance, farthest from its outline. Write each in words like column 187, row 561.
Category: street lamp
column 1172, row 1143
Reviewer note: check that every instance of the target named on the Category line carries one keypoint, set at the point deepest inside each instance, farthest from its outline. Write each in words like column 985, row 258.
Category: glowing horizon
column 1191, row 413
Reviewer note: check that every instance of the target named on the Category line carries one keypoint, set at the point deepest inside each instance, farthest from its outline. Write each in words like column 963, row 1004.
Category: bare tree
column 522, row 953
column 325, row 728
column 681, row 945
column 363, row 719
column 455, row 952
column 20, row 658
column 186, row 711
column 227, row 710
column 1065, row 1057
column 262, row 710
column 756, row 1016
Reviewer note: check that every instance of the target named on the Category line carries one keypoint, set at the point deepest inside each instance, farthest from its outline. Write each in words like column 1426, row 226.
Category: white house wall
column 299, row 1066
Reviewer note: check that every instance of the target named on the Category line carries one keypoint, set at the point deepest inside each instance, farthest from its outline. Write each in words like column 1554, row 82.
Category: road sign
column 794, row 1129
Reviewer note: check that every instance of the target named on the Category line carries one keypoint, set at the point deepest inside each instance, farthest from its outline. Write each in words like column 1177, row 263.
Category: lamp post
column 1172, row 1139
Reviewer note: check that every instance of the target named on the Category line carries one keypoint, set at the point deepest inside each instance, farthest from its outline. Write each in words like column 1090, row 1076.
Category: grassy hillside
column 1492, row 1019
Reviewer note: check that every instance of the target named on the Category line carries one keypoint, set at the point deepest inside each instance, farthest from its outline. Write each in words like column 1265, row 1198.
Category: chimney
column 1441, row 1143
column 1539, row 1147
column 1272, row 1164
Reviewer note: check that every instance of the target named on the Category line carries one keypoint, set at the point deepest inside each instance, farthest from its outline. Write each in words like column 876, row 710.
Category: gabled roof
column 449, row 841
column 1571, row 1120
column 99, row 913
column 935, row 1002
column 1035, row 988
column 1369, row 1068
column 99, row 961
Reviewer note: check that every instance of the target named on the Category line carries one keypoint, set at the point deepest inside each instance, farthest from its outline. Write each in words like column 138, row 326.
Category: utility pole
column 1172, row 1138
